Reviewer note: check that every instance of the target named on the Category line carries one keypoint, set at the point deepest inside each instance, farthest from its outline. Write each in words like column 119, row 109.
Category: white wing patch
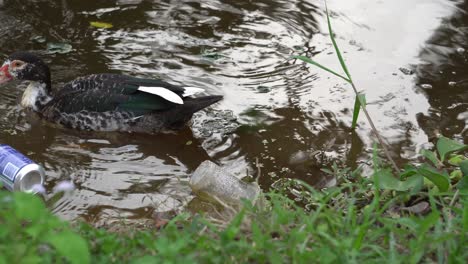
column 189, row 91
column 163, row 92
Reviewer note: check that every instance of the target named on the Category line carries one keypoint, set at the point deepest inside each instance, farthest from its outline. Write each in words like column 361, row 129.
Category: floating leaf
column 357, row 107
column 61, row 48
column 308, row 60
column 98, row 24
column 446, row 146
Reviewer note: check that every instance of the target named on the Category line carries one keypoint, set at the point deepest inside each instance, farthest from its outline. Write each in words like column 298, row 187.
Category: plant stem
column 375, row 131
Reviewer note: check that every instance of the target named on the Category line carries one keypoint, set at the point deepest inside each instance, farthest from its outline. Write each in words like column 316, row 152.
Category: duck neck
column 36, row 96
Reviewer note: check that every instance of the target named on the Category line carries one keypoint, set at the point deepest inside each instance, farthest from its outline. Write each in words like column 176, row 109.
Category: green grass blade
column 308, row 60
column 357, row 107
column 337, row 50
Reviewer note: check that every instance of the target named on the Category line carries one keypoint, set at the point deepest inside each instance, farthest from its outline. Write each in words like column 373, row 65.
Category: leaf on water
column 60, row 48
column 441, row 181
column 357, row 107
column 446, row 146
column 308, row 60
column 98, row 24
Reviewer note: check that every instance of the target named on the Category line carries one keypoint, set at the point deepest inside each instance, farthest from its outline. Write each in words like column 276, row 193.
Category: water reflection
column 444, row 66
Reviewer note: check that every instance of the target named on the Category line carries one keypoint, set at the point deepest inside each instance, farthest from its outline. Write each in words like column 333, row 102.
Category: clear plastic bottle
column 210, row 180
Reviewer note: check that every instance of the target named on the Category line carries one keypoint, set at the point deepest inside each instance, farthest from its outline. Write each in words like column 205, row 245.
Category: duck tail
column 183, row 113
column 194, row 105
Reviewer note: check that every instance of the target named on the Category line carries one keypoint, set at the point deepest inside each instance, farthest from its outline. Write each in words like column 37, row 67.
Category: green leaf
column 28, row 207
column 441, row 181
column 455, row 160
column 446, row 146
column 388, row 182
column 71, row 246
column 308, row 60
column 338, row 53
column 357, row 107
column 462, row 185
column 464, row 167
column 98, row 24
column 465, row 216
column 409, row 170
column 430, row 155
column 427, row 222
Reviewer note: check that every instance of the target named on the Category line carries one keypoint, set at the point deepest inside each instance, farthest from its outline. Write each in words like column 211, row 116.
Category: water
column 293, row 117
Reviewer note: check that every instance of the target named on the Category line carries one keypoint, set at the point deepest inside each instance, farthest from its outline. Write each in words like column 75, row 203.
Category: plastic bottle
column 210, row 180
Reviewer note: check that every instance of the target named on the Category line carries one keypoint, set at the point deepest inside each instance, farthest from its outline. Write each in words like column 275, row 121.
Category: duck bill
column 5, row 75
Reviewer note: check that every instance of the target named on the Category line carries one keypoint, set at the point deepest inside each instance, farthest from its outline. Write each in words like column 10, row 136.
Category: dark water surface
column 293, row 117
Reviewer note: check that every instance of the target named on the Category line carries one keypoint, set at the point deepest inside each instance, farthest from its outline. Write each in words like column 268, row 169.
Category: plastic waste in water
column 210, row 180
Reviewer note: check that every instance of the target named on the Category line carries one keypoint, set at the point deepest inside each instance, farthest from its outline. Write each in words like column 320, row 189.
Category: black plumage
column 109, row 102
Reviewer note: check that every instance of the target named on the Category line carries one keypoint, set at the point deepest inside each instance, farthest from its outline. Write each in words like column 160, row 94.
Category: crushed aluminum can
column 17, row 172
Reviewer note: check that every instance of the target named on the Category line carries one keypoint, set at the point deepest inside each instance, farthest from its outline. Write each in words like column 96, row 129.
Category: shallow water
column 293, row 117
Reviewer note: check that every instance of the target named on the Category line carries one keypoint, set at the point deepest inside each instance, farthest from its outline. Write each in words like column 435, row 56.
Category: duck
column 104, row 101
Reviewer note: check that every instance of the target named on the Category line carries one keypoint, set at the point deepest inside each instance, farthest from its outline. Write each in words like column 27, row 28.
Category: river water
column 409, row 57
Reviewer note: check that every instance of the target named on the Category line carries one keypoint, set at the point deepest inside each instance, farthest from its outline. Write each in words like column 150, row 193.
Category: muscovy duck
column 104, row 102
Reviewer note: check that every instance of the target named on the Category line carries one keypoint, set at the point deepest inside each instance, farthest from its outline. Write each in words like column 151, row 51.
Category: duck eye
column 17, row 63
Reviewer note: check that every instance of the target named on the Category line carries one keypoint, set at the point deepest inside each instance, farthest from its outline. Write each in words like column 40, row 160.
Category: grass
column 362, row 219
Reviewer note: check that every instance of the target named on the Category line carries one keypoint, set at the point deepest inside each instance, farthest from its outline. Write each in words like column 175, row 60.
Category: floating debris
column 426, row 86
column 406, row 71
column 60, row 48
column 263, row 89
column 64, row 186
column 223, row 122
column 38, row 39
column 212, row 182
column 98, row 24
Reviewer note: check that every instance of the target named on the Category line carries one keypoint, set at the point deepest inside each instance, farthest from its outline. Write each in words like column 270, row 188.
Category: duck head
column 25, row 66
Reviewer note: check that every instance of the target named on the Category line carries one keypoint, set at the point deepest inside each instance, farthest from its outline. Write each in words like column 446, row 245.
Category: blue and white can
column 17, row 172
